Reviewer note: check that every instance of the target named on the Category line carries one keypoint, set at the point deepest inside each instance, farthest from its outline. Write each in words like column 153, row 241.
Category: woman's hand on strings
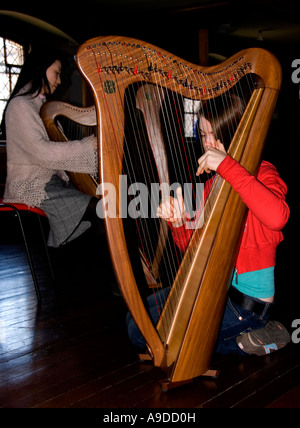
column 173, row 210
column 211, row 159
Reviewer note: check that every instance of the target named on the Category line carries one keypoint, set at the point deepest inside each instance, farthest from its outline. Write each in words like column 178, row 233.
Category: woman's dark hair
column 34, row 72
column 224, row 114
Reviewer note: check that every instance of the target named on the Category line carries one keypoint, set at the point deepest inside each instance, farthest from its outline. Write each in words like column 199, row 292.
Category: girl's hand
column 211, row 159
column 173, row 210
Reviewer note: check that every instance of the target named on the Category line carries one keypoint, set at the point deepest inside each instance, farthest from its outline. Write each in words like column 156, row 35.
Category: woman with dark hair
column 35, row 165
column 244, row 328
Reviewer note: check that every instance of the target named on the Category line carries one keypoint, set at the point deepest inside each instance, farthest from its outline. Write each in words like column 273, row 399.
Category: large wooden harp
column 119, row 70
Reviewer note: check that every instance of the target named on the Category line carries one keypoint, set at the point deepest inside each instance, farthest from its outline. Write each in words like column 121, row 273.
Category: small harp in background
column 85, row 117
column 144, row 99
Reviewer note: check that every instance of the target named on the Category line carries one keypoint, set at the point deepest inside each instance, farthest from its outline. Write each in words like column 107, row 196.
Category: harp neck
column 85, row 116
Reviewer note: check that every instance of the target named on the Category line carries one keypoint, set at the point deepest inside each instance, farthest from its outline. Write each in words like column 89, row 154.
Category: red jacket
column 268, row 214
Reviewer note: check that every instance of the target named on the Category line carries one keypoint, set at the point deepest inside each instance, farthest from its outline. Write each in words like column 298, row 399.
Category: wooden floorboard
column 72, row 350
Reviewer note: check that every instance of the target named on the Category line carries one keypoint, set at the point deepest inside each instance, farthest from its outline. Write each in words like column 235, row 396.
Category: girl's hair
column 224, row 114
column 34, row 73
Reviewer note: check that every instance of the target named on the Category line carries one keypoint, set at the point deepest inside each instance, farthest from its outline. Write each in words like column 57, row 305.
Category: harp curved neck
column 50, row 111
column 85, row 116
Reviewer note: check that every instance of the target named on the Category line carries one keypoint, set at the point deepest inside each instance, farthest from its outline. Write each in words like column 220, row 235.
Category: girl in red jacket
column 253, row 287
column 245, row 328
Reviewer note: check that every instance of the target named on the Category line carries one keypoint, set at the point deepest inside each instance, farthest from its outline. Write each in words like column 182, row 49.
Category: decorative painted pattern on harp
column 147, row 145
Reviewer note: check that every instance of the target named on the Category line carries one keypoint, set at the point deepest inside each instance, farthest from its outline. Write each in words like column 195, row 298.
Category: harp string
column 158, row 296
column 175, row 134
column 140, row 228
column 177, row 137
column 144, row 153
column 110, row 103
column 168, row 119
column 162, row 175
column 231, row 123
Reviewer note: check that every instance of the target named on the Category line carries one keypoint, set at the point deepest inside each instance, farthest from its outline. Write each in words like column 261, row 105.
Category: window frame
column 9, row 70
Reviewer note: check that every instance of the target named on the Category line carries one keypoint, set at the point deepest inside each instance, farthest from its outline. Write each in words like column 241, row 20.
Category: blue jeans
column 236, row 320
column 155, row 304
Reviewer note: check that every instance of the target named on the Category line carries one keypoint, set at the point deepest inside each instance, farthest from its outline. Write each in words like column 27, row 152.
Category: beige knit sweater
column 32, row 158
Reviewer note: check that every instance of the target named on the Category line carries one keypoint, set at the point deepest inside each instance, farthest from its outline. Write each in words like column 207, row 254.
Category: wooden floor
column 72, row 351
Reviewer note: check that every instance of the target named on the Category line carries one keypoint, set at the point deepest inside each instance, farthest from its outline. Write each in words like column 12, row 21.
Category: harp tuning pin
column 185, row 83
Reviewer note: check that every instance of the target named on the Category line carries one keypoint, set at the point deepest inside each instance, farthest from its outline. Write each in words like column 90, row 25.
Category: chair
column 18, row 209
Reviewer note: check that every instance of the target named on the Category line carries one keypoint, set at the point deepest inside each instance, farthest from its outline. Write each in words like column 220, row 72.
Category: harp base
column 167, row 384
column 145, row 357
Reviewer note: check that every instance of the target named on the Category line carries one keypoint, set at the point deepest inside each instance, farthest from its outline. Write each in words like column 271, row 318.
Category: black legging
column 91, row 215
